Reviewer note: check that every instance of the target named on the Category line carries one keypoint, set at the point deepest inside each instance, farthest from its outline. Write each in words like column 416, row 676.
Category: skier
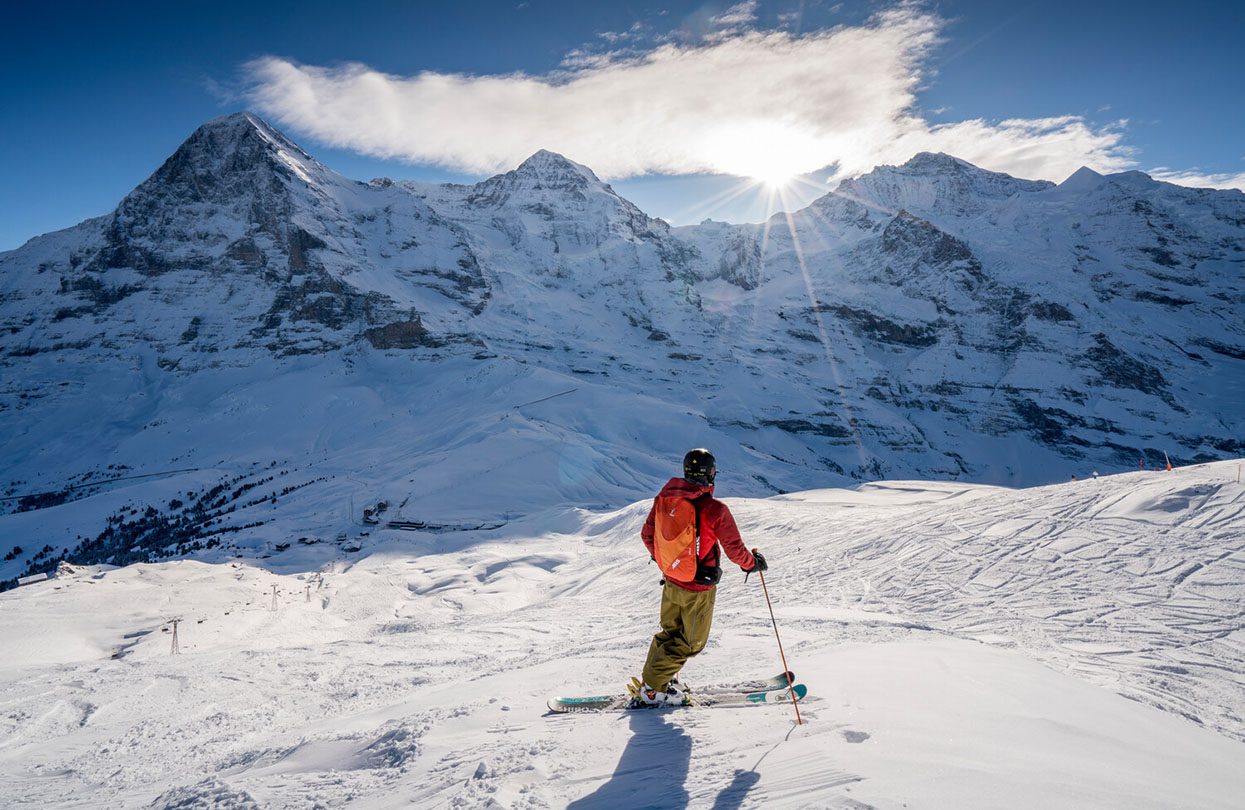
column 682, row 534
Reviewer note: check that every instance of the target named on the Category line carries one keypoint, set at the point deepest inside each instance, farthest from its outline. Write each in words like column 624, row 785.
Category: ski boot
column 643, row 695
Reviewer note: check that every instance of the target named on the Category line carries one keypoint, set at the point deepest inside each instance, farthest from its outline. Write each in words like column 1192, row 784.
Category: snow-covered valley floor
column 1079, row 645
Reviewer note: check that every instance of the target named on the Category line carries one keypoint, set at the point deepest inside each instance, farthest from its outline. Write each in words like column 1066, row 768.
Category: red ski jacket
column 716, row 526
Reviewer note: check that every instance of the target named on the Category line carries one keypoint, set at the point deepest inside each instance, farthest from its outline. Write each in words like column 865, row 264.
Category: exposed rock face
column 930, row 319
column 259, row 243
column 401, row 335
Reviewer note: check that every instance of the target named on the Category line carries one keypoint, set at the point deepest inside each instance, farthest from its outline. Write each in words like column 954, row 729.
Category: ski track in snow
column 417, row 676
column 1137, row 591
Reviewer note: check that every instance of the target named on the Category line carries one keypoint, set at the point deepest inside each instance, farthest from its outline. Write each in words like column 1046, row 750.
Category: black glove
column 759, row 563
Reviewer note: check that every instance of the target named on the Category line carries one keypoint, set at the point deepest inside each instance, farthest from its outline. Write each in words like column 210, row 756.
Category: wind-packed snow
column 1076, row 645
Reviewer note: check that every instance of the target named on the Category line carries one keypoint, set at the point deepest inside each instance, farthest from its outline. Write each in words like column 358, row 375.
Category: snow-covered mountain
column 298, row 346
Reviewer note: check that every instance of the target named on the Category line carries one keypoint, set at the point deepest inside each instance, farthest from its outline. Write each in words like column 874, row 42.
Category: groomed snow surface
column 1077, row 645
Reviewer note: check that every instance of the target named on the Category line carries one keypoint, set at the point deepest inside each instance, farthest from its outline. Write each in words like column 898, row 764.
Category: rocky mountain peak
column 236, row 125
column 935, row 184
column 937, row 163
column 553, row 187
column 984, row 181
column 555, row 170
column 544, row 175
column 1083, row 179
column 1139, row 182
column 235, row 168
column 240, row 146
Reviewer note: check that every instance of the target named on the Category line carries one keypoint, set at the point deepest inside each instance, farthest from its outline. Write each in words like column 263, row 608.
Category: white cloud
column 753, row 102
column 1198, row 179
column 1044, row 148
column 738, row 14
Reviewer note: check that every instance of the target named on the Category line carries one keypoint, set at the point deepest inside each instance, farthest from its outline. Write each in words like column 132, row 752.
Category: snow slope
column 968, row 646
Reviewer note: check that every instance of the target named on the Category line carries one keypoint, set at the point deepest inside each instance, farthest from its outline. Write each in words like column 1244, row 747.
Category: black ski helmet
column 700, row 467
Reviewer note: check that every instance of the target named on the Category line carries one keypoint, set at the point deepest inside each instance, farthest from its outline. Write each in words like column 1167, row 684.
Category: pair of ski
column 777, row 689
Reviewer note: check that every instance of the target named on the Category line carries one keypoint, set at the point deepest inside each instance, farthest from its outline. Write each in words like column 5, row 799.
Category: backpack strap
column 697, row 508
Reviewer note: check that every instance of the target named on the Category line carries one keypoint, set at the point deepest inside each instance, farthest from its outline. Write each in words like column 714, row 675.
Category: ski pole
column 790, row 686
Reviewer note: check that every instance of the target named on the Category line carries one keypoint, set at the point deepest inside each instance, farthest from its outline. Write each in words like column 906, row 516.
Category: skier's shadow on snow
column 652, row 772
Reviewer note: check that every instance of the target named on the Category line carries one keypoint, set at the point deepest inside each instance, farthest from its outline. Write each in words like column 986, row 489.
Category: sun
column 769, row 165
column 771, row 153
column 776, row 180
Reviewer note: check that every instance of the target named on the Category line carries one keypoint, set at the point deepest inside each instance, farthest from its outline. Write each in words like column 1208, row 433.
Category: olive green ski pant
column 685, row 620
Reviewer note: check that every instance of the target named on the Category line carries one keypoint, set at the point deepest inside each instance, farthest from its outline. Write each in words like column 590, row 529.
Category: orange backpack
column 676, row 543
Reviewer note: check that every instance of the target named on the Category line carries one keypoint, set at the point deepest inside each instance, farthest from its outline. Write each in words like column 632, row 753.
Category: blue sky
column 95, row 96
